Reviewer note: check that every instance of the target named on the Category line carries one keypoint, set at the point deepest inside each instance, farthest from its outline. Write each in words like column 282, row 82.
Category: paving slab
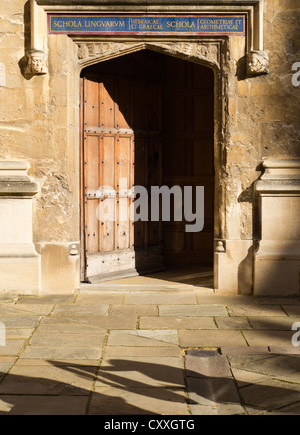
column 165, row 338
column 125, row 351
column 285, row 350
column 67, row 340
column 237, row 323
column 293, row 409
column 80, row 366
column 12, row 347
column 269, row 338
column 271, row 324
column 8, row 299
column 243, row 350
column 51, row 299
column 20, row 321
column 160, row 299
column 292, row 310
column 138, row 401
column 258, row 310
column 211, row 338
column 206, row 364
column 43, row 405
column 141, row 372
column 56, row 325
column 62, row 380
column 80, row 310
column 62, row 353
column 13, row 311
column 30, row 309
column 177, row 323
column 104, row 299
column 218, row 409
column 110, row 321
column 279, row 301
column 192, row 310
column 273, row 366
column 270, row 395
column 245, row 377
column 18, row 333
column 138, row 310
column 211, row 392
column 242, row 360
column 5, row 365
column 225, row 299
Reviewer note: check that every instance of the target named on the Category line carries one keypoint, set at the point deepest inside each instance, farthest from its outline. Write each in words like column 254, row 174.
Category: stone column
column 277, row 260
column 19, row 262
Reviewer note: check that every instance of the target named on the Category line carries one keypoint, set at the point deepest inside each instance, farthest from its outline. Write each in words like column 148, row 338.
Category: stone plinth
column 19, row 261
column 277, row 260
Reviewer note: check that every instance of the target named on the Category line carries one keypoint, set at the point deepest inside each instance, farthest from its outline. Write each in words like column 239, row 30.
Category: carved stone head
column 258, row 63
column 36, row 62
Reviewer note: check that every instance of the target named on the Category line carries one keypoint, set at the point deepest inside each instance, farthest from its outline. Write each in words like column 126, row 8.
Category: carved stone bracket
column 257, row 63
column 36, row 62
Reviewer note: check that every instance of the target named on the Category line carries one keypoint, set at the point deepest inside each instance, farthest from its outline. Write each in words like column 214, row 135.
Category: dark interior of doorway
column 186, row 152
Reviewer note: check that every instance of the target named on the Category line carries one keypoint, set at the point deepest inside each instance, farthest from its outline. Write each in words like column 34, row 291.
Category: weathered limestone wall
column 36, row 126
column 264, row 123
column 39, row 124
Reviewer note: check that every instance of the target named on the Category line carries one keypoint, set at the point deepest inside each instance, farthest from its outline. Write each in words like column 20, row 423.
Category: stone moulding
column 280, row 176
column 207, row 52
column 14, row 180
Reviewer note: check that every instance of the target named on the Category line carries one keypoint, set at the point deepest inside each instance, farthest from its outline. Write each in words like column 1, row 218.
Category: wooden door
column 188, row 156
column 121, row 123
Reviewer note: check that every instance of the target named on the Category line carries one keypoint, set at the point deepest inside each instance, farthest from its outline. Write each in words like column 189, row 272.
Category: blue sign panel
column 147, row 25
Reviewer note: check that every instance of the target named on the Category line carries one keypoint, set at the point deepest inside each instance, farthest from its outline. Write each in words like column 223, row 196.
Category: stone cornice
column 280, row 176
column 14, row 180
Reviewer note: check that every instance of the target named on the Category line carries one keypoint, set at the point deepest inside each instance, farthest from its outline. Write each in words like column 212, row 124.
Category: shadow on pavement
column 127, row 387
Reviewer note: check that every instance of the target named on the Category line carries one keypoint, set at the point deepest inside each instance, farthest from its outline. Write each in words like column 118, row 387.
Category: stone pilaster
column 19, row 261
column 277, row 260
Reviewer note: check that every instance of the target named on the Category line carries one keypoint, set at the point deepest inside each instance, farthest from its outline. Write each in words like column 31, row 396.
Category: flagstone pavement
column 143, row 351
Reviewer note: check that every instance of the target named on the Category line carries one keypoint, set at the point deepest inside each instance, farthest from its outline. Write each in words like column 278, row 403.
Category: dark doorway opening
column 149, row 118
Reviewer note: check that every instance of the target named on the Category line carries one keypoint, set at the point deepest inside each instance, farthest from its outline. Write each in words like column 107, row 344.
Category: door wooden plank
column 107, row 103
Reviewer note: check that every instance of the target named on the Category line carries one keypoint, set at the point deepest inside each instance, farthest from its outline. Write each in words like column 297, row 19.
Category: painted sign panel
column 88, row 24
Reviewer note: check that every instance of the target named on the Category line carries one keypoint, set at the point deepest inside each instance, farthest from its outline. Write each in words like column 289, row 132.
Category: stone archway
column 208, row 54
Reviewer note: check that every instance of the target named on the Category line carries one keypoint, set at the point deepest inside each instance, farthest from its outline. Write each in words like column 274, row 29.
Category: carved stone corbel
column 36, row 62
column 257, row 63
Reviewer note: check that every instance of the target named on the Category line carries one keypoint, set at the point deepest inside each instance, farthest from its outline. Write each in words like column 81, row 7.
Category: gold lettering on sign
column 104, row 24
column 180, row 24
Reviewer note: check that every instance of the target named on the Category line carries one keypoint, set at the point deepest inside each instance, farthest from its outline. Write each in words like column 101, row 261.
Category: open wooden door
column 121, row 147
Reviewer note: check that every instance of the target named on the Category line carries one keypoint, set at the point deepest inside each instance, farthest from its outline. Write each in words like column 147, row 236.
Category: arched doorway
column 147, row 120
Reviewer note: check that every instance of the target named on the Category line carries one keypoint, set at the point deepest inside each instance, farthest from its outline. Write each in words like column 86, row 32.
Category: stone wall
column 39, row 123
